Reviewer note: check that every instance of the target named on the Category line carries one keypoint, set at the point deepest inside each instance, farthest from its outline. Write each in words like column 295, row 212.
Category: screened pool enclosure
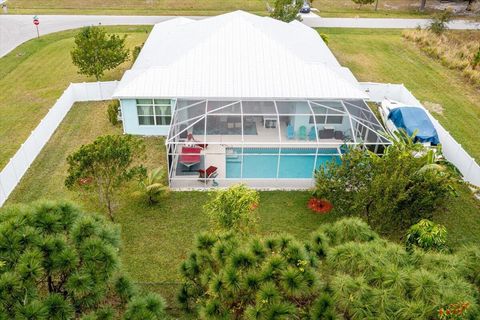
column 265, row 144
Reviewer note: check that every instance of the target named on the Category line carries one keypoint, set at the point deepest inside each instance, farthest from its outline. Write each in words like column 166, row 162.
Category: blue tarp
column 411, row 119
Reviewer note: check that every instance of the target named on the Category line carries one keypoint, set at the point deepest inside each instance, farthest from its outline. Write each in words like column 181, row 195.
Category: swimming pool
column 262, row 162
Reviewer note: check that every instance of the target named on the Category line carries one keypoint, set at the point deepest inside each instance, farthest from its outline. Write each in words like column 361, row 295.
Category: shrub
column 227, row 277
column 372, row 278
column 476, row 59
column 427, row 235
column 61, row 263
column 233, row 209
column 324, row 37
column 363, row 2
column 136, row 52
column 440, row 20
column 113, row 111
column 153, row 186
column 390, row 191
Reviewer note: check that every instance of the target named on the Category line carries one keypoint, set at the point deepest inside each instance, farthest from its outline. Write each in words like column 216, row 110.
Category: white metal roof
column 236, row 55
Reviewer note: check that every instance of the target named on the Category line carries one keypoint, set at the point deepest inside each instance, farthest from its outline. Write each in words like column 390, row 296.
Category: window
column 334, row 119
column 318, row 120
column 154, row 112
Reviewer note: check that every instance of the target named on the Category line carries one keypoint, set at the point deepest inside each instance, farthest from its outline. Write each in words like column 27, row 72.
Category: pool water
column 262, row 162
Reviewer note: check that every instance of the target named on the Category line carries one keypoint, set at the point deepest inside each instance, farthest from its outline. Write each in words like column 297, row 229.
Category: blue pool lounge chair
column 302, row 133
column 290, row 132
column 311, row 135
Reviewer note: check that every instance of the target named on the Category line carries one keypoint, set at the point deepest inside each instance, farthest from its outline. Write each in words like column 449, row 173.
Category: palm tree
column 153, row 186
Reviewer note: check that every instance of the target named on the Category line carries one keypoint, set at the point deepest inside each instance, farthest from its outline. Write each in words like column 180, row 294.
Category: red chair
column 210, row 173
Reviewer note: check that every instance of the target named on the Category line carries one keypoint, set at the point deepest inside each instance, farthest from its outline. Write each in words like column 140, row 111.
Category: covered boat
column 414, row 118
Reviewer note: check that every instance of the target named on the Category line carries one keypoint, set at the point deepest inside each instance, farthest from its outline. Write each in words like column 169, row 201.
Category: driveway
column 16, row 29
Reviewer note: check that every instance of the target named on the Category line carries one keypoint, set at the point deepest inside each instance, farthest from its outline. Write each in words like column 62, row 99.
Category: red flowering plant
column 320, row 205
column 454, row 311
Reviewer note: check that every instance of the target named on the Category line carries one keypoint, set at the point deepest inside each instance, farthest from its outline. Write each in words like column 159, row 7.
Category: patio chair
column 312, row 136
column 302, row 133
column 190, row 156
column 338, row 135
column 209, row 173
column 326, row 133
column 290, row 132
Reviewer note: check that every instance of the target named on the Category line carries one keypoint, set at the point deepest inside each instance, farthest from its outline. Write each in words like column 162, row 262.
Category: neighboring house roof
column 236, row 55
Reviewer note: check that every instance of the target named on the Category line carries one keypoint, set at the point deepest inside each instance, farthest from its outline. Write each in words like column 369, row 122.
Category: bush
column 60, row 263
column 427, row 235
column 324, row 37
column 113, row 111
column 372, row 278
column 363, row 2
column 391, row 191
column 345, row 270
column 154, row 186
column 136, row 52
column 439, row 21
column 233, row 209
column 227, row 277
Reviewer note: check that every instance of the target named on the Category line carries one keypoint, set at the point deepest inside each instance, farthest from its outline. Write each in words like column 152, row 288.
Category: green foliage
column 112, row 112
column 233, row 209
column 363, row 2
column 136, row 52
column 95, row 51
column 286, row 10
column 59, row 263
column 324, row 37
column 153, row 186
column 150, row 306
column 371, row 278
column 476, row 59
column 230, row 277
column 395, row 190
column 107, row 163
column 427, row 235
column 440, row 21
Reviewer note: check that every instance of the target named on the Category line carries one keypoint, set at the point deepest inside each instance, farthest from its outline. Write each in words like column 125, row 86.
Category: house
column 243, row 98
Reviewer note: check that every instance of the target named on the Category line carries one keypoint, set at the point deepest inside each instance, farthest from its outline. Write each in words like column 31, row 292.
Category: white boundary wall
column 452, row 150
column 13, row 172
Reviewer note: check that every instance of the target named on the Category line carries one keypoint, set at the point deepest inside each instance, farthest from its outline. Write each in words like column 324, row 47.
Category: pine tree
column 59, row 263
column 230, row 277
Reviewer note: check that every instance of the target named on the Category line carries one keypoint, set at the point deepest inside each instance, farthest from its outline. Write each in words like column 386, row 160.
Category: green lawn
column 135, row 7
column 157, row 239
column 34, row 75
column 327, row 8
column 384, row 56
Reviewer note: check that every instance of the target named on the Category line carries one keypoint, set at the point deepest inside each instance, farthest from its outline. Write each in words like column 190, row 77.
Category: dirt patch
column 433, row 107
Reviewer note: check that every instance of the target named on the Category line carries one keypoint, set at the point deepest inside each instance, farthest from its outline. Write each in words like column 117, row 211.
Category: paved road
column 382, row 23
column 16, row 29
